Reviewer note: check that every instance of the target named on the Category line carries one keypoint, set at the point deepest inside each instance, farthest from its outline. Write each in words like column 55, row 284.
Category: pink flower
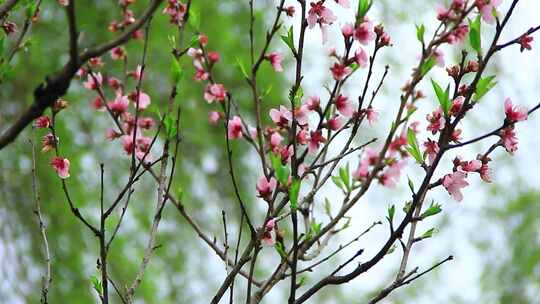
column 203, row 39
column 397, row 144
column 514, row 114
column 289, row 10
column 138, row 73
column 302, row 136
column 61, row 166
column 471, row 166
column 439, row 57
column 111, row 134
column 42, row 122
column 215, row 91
column 364, row 32
column 198, row 57
column 340, row 71
column 525, row 42
column 213, row 117
column 176, row 11
column 118, row 53
column 344, row 3
column 347, row 30
column 144, row 100
column 485, row 173
column 335, row 123
column 234, row 130
column 114, row 83
column 320, row 14
column 458, row 35
column 275, row 59
column 119, row 105
column 96, row 61
column 213, row 57
column 488, row 9
column 265, row 187
column 432, row 148
column 92, row 84
column 344, row 106
column 436, row 121
column 313, row 103
column 127, row 144
column 390, row 177
column 275, row 140
column 63, row 2
column 281, row 117
column 454, row 183
column 252, row 132
column 315, row 139
column 444, row 13
column 457, row 103
column 269, row 235
column 200, row 75
column 509, row 139
column 146, row 123
column 371, row 115
column 301, row 115
column 361, row 58
column 362, row 172
column 48, row 142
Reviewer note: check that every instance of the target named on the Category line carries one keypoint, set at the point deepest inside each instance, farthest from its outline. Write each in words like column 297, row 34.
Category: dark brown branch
column 406, row 280
column 57, row 84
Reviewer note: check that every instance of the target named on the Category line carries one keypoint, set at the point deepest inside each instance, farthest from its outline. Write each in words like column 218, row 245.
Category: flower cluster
column 50, row 141
column 126, row 108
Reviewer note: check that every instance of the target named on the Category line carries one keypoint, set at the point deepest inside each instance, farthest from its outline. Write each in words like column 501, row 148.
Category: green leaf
column 172, row 41
column 412, row 147
column 428, row 233
column 407, row 207
column 282, row 172
column 31, row 9
column 345, row 176
column 295, row 96
column 194, row 40
column 363, row 8
column 316, row 227
column 475, row 35
column 427, row 65
column 337, row 181
column 267, row 91
column 327, row 207
column 96, row 283
column 411, row 184
column 289, row 39
column 240, row 65
column 301, row 282
column 170, row 126
column 293, row 193
column 281, row 249
column 483, row 86
column 443, row 97
column 433, row 209
column 391, row 212
column 176, row 71
column 420, row 31
column 194, row 18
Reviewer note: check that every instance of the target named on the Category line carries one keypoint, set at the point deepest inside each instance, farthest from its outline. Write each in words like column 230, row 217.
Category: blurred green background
column 180, row 271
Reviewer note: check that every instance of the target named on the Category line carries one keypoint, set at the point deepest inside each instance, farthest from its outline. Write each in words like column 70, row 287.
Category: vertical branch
column 47, row 278
column 102, row 246
column 292, row 136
